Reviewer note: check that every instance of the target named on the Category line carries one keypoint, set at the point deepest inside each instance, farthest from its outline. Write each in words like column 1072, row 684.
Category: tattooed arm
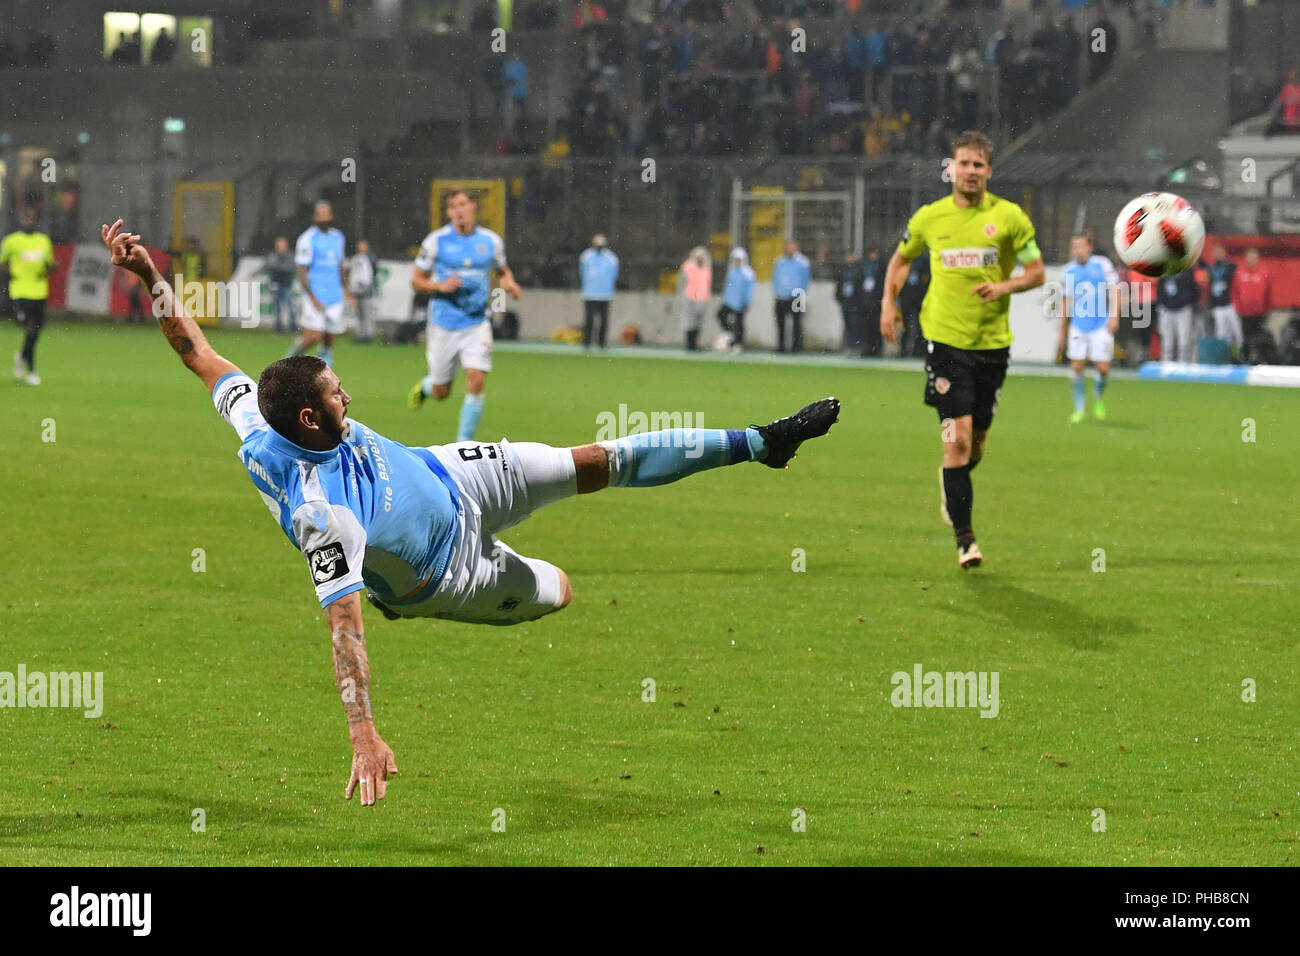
column 372, row 759
column 182, row 333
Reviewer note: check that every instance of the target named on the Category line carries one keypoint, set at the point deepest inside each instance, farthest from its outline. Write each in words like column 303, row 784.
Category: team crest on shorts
column 989, row 229
column 941, row 385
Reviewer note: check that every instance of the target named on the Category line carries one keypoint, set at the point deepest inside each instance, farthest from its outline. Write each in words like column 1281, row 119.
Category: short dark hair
column 447, row 197
column 973, row 139
column 1086, row 237
column 288, row 386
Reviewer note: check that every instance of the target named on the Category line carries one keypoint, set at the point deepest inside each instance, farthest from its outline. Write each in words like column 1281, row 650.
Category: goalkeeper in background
column 974, row 240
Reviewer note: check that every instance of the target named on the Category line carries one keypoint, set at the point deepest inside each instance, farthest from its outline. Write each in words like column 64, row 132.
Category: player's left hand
column 372, row 762
column 512, row 288
column 1113, row 325
column 989, row 291
column 352, row 301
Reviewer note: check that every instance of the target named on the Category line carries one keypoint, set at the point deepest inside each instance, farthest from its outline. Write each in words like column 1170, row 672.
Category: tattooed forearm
column 351, row 668
column 179, row 328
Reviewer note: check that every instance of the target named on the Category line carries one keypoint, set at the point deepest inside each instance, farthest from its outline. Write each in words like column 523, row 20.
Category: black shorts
column 964, row 381
column 30, row 312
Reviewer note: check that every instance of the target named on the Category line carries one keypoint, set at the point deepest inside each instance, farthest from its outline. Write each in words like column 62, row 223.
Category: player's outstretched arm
column 372, row 759
column 184, row 336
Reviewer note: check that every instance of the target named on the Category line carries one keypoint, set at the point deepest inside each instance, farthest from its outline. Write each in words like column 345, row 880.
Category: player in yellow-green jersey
column 975, row 240
column 29, row 257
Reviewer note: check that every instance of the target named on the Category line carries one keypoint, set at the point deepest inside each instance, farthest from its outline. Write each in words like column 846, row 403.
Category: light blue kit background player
column 1088, row 321
column 455, row 265
column 319, row 256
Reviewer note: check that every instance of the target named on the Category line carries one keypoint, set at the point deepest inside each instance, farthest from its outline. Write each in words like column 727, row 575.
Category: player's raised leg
column 507, row 481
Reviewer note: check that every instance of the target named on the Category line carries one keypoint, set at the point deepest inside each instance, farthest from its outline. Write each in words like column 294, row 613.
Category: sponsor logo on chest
column 976, row 257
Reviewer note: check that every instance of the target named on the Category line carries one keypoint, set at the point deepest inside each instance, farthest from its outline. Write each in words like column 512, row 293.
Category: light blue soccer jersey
column 370, row 513
column 322, row 254
column 738, row 291
column 1087, row 288
column 446, row 253
column 790, row 276
column 599, row 272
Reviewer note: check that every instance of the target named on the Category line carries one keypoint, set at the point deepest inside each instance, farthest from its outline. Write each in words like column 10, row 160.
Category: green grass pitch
column 1120, row 691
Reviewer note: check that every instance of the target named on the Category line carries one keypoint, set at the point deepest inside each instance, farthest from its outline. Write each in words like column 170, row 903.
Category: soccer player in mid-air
column 320, row 261
column 1089, row 318
column 418, row 526
column 455, row 265
column 974, row 240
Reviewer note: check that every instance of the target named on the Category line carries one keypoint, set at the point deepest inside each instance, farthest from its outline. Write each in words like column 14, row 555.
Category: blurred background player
column 696, row 284
column 361, row 269
column 598, row 268
column 849, row 293
column 319, row 258
column 737, row 293
column 455, row 266
column 1227, row 324
column 1176, row 298
column 1088, row 321
column 280, row 269
column 974, row 240
column 29, row 256
column 873, row 290
column 791, row 274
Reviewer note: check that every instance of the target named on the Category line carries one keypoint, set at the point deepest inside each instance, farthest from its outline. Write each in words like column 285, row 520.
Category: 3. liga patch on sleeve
column 328, row 563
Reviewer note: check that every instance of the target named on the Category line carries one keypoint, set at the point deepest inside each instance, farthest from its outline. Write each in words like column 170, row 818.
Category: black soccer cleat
column 384, row 609
column 785, row 435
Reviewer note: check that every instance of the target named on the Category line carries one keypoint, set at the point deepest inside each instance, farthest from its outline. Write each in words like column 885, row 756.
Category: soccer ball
column 1159, row 234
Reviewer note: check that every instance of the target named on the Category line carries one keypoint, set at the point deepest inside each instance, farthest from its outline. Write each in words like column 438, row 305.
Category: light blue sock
column 426, row 386
column 1078, row 391
column 657, row 458
column 471, row 410
column 1099, row 384
column 327, row 355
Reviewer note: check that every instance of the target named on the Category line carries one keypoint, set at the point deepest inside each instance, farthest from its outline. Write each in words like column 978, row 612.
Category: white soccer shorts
column 447, row 348
column 501, row 484
column 1227, row 325
column 331, row 320
column 1095, row 346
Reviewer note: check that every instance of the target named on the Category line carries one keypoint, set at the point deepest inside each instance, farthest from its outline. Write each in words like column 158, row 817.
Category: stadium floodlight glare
column 83, row 138
column 173, row 124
